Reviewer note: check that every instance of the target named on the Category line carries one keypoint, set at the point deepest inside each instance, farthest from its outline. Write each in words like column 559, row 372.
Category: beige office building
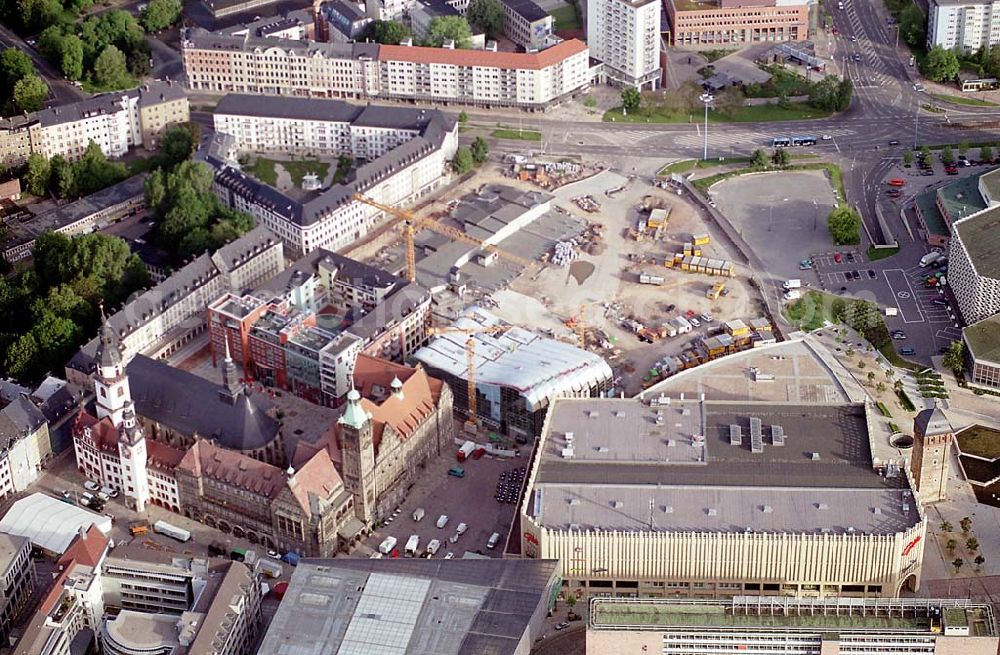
column 735, row 23
column 688, row 498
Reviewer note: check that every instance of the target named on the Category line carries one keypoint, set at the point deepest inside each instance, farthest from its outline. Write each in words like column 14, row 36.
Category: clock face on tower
column 126, row 452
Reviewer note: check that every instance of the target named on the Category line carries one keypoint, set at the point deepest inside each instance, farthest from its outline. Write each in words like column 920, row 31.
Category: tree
column 71, row 58
column 480, row 151
column 453, row 28
column 941, row 64
column 631, row 99
column 966, row 524
column 161, row 14
column 925, row 152
column 110, row 69
column 760, row 160
column 63, row 177
column 463, row 117
column 954, row 357
column 388, row 32
column 488, row 15
column 179, row 143
column 986, row 154
column 730, row 101
column 980, row 560
column 946, row 526
column 30, row 93
column 463, row 161
column 972, row 544
column 825, row 94
column 947, row 155
column 880, row 388
column 14, row 65
column 782, row 157
column 951, row 544
column 963, row 147
column 912, row 25
column 845, row 226
column 871, row 376
column 957, row 563
column 908, row 157
column 37, row 175
column 845, row 91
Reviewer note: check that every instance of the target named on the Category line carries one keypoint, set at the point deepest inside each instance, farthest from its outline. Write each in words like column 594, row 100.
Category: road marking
column 908, row 306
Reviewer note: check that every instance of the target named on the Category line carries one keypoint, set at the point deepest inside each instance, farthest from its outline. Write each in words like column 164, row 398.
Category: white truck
column 682, row 324
column 433, row 546
column 442, row 521
column 418, row 514
column 387, row 545
column 411, row 546
column 792, row 284
column 269, row 567
column 930, row 258
column 172, row 531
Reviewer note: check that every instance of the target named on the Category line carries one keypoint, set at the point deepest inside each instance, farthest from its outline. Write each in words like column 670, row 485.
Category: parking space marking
column 903, row 294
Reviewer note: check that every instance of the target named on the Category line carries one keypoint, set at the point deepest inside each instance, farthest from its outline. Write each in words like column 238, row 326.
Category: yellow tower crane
column 412, row 223
column 472, row 419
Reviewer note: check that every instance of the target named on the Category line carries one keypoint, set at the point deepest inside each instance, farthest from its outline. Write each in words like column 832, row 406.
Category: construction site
column 623, row 266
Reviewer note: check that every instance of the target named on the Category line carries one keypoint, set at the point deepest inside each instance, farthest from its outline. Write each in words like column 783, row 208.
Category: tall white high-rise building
column 625, row 35
column 968, row 24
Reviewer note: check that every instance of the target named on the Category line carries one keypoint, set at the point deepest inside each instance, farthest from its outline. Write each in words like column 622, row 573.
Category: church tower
column 358, row 456
column 132, row 451
column 232, row 385
column 930, row 462
column 110, row 382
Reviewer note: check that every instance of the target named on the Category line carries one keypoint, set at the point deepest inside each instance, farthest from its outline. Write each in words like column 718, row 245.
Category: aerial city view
column 499, row 327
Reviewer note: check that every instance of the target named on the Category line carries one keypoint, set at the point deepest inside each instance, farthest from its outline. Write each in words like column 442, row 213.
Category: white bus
column 172, row 531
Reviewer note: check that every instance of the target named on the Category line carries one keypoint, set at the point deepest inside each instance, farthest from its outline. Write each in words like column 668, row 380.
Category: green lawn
column 812, row 311
column 565, row 18
column 685, row 165
column 264, row 170
column 299, row 168
column 875, row 254
column 980, row 441
column 749, row 114
column 91, row 87
column 522, row 135
column 961, row 100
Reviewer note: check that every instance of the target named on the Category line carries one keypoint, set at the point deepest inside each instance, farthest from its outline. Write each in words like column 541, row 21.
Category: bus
column 804, row 140
column 781, row 142
column 171, row 531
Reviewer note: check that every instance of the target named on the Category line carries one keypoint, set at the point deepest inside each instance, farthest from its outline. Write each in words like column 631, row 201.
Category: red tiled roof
column 104, row 437
column 483, row 58
column 86, row 550
column 371, row 371
column 319, row 477
column 231, row 467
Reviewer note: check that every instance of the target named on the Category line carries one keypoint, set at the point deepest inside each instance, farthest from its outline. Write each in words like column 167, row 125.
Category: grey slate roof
column 191, row 404
column 931, row 421
column 19, row 419
column 359, row 273
column 150, row 94
column 526, row 9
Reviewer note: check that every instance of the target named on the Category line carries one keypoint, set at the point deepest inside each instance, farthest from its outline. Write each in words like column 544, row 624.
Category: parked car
column 90, row 485
column 457, row 472
column 907, row 351
column 893, row 142
column 940, row 302
column 694, row 322
column 562, row 625
column 872, row 274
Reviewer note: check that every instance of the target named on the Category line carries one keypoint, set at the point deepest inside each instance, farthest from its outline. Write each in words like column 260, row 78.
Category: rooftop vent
column 711, row 511
column 574, row 501
column 617, row 504
column 906, row 508
column 876, row 510
column 814, row 456
column 767, row 509
column 822, row 506
column 619, row 414
column 667, row 509
column 593, row 413
column 602, row 449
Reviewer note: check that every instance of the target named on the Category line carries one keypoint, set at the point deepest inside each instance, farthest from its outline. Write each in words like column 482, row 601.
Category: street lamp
column 706, row 98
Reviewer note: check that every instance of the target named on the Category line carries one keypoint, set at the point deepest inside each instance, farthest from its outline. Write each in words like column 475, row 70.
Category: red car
column 837, row 257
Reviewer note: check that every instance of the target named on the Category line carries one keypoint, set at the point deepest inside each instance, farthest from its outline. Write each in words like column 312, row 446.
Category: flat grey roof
column 694, row 465
column 527, row 9
column 404, row 606
column 980, row 234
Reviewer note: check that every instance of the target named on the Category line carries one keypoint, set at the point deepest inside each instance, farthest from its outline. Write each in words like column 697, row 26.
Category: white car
column 450, row 555
column 90, row 485
column 707, row 317
column 694, row 322
column 826, row 137
column 461, row 528
column 442, row 521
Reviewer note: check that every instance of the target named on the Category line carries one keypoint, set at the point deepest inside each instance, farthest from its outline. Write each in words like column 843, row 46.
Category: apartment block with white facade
column 405, row 152
column 625, row 36
column 974, row 264
column 225, row 64
column 967, row 24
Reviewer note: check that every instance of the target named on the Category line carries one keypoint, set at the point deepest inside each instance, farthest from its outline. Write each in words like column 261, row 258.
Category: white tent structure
column 49, row 523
